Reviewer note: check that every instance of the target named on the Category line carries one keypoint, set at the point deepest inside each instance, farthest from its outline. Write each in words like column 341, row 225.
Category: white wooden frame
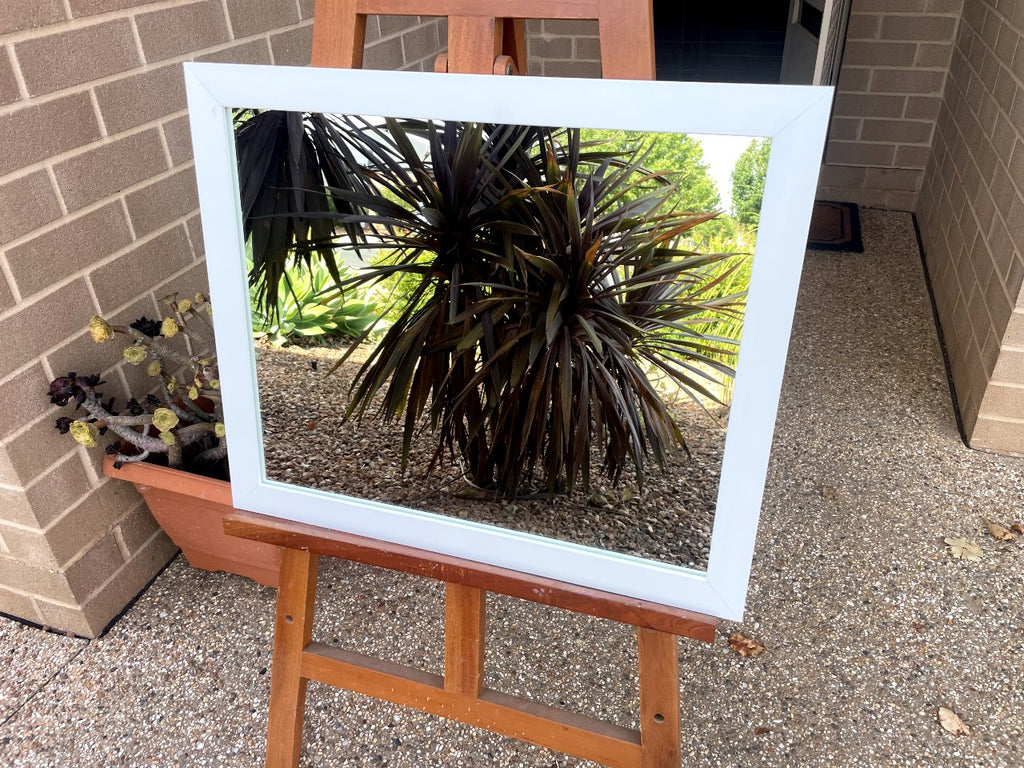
column 794, row 117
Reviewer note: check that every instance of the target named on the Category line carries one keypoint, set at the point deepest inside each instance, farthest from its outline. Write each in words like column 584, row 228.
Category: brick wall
column 98, row 215
column 888, row 98
column 563, row 48
column 972, row 221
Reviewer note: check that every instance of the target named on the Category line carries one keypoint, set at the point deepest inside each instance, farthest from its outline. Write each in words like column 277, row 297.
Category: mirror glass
column 529, row 328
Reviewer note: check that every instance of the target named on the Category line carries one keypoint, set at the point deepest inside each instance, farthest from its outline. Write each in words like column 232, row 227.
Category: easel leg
column 465, row 621
column 293, row 630
column 659, row 699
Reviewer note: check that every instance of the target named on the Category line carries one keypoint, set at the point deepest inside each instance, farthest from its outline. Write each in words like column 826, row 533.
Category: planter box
column 190, row 508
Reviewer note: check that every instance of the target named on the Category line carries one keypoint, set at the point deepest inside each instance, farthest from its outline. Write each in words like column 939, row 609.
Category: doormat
column 835, row 227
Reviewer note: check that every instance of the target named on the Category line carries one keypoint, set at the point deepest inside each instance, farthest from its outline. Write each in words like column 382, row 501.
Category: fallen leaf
column 918, row 627
column 963, row 549
column 996, row 531
column 744, row 646
column 762, row 731
column 951, row 721
column 1017, row 528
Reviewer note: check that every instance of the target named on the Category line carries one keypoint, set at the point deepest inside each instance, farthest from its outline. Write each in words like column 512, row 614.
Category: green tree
column 681, row 157
column 748, row 182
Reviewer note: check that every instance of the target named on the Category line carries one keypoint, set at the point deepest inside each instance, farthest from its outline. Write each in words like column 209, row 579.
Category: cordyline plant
column 182, row 420
column 549, row 292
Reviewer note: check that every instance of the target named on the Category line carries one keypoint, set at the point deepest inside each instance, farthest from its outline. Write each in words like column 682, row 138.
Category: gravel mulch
column 307, row 443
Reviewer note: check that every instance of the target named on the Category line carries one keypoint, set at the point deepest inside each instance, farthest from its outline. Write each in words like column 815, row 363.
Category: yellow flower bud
column 168, row 438
column 100, row 329
column 169, row 327
column 219, row 429
column 184, row 305
column 84, row 433
column 154, row 368
column 193, row 393
column 164, row 419
column 215, row 383
column 172, row 384
column 199, row 299
column 135, row 355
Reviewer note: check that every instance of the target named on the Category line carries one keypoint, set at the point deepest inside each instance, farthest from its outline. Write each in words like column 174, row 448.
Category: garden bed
column 306, row 443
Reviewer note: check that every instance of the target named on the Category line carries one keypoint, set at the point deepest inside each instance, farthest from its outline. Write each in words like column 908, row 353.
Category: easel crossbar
column 502, row 713
column 593, row 602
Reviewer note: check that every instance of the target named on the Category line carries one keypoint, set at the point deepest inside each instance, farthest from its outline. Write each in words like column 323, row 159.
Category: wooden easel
column 478, row 43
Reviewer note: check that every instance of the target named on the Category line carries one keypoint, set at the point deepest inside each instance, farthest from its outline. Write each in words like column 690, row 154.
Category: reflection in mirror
column 532, row 328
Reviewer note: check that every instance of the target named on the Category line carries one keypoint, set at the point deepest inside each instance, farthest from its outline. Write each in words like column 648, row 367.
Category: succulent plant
column 181, row 417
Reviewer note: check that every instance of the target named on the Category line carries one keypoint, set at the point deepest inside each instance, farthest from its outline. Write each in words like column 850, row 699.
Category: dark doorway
column 728, row 41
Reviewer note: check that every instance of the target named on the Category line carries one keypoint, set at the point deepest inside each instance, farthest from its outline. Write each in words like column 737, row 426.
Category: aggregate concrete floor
column 870, row 625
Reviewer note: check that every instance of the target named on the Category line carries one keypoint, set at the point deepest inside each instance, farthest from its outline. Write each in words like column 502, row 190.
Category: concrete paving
column 869, row 624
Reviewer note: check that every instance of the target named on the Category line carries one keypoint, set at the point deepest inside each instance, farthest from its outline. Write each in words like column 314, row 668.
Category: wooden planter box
column 190, row 508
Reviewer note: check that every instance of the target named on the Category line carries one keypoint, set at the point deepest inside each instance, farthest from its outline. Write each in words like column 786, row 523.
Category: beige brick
column 22, row 398
column 912, row 157
column 372, row 33
column 195, row 236
column 29, row 546
column 394, row 25
column 878, row 54
column 67, row 618
column 897, row 131
column 251, row 52
column 34, row 450
column 922, row 107
column 933, row 55
column 127, row 583
column 83, row 525
column 998, row 435
column 26, row 577
column 581, row 27
column 179, row 139
column 868, row 105
column 16, row 604
column 60, row 488
column 1015, row 330
column 572, row 69
column 6, row 297
column 8, row 83
column 79, row 56
column 306, row 8
column 15, row 508
column 162, row 202
column 79, row 243
column 386, row 54
column 906, row 81
column 92, row 569
column 80, row 8
column 110, row 168
column 863, row 26
column 250, row 17
column 945, row 6
column 181, row 30
column 141, row 98
column 551, row 47
column 889, row 6
column 847, row 153
column 918, row 28
column 41, row 131
column 854, row 79
column 27, row 333
column 137, row 528
column 83, row 355
column 128, row 276
column 293, row 48
column 421, row 43
column 587, row 48
column 30, row 15
column 27, row 203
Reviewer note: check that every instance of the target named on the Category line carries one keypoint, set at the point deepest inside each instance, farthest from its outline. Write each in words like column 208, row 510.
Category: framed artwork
column 586, row 484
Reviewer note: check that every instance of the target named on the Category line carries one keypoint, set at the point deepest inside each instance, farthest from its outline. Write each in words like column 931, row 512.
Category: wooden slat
column 339, row 34
column 568, row 732
column 593, row 602
column 465, row 624
column 626, row 30
column 519, row 9
column 659, row 699
column 292, row 632
column 473, row 44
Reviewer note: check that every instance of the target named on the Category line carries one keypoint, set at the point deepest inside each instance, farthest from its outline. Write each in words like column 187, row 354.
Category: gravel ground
column 668, row 519
column 869, row 624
